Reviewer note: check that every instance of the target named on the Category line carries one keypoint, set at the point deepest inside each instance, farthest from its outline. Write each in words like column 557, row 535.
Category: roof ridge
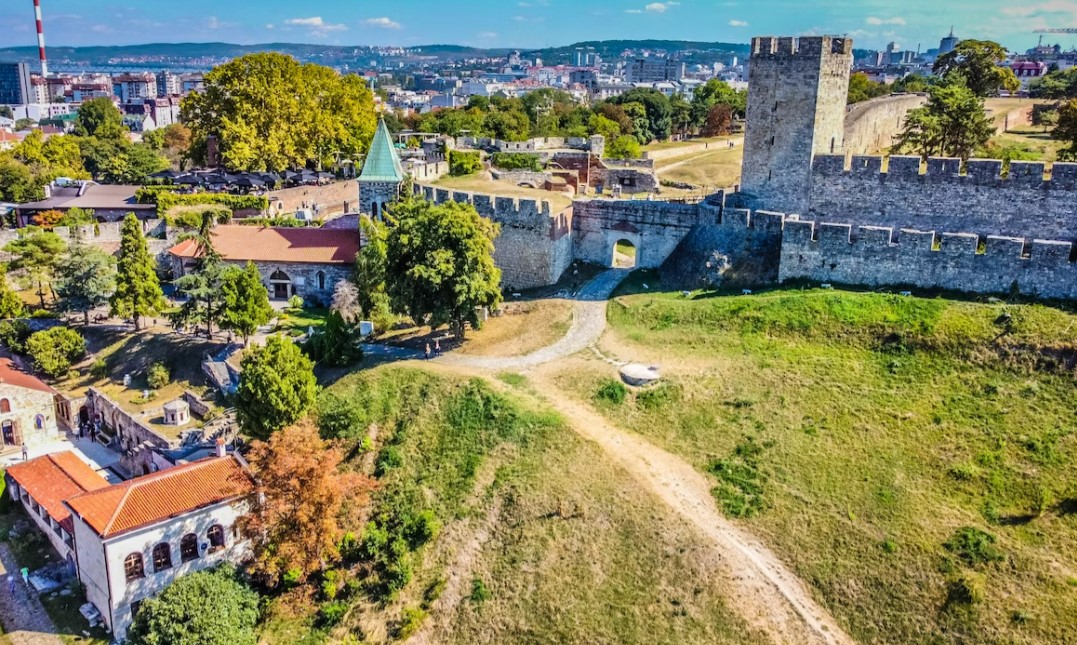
column 116, row 511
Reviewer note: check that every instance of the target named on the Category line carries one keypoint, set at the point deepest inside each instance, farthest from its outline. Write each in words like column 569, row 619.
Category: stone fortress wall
column 871, row 126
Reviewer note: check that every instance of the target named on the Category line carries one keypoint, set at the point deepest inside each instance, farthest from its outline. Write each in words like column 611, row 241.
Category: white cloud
column 488, row 35
column 876, row 21
column 738, row 23
column 654, row 7
column 270, row 26
column 382, row 23
column 315, row 23
column 213, row 23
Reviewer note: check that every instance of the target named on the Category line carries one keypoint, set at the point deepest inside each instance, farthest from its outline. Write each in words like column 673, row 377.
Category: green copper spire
column 382, row 163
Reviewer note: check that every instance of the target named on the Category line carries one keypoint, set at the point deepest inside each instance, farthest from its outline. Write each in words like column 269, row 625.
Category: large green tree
column 10, row 303
column 979, row 62
column 138, row 290
column 953, row 123
column 440, row 264
column 370, row 272
column 1066, row 130
column 659, row 114
column 716, row 92
column 54, row 350
column 134, row 164
column 862, row 88
column 16, row 182
column 276, row 387
column 269, row 112
column 86, row 278
column 1057, row 84
column 201, row 285
column 35, row 254
column 100, row 118
column 210, row 607
column 244, row 300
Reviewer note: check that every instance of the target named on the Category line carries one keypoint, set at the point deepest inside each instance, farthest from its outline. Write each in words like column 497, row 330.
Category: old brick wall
column 1020, row 205
column 332, row 198
column 951, row 261
column 872, row 126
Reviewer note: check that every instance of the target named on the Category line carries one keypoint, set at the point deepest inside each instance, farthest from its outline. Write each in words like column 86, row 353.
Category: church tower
column 797, row 92
column 382, row 174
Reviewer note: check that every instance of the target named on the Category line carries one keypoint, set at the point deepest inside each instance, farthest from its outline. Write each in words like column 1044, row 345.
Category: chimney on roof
column 221, row 450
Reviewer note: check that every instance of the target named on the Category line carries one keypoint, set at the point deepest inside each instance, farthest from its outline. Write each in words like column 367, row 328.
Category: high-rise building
column 947, row 44
column 15, row 87
column 168, row 83
column 796, row 109
column 654, row 69
column 134, row 88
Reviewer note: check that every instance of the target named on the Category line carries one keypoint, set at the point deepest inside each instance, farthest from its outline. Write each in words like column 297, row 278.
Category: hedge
column 516, row 161
column 166, row 200
column 464, row 163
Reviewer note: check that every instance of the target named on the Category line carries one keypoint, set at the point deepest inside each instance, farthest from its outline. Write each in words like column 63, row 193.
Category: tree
column 276, row 387
column 209, row 607
column 1044, row 117
column 134, row 165
column 244, row 301
column 370, row 264
column 36, row 253
column 16, row 182
column 681, row 114
column 913, row 83
column 978, row 62
column 440, row 265
column 1056, row 84
column 100, row 118
column 952, row 123
column 862, row 88
column 10, row 303
column 336, row 343
column 295, row 525
column 54, row 350
column 138, row 290
column 716, row 92
column 624, row 147
column 658, row 114
column 86, row 279
column 1066, row 130
column 269, row 112
column 608, row 128
column 202, row 285
column 719, row 121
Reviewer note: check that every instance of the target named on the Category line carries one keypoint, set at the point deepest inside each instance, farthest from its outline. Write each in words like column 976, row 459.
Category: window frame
column 165, row 561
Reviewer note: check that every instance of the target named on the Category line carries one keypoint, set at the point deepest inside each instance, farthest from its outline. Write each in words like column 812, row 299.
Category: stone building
column 797, row 91
column 27, row 408
column 379, row 182
column 304, row 262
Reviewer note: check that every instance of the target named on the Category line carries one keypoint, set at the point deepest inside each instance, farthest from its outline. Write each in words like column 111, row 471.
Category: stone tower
column 797, row 92
column 382, row 174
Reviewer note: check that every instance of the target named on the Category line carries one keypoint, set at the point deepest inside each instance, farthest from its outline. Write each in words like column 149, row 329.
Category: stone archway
column 624, row 248
column 625, row 254
column 280, row 285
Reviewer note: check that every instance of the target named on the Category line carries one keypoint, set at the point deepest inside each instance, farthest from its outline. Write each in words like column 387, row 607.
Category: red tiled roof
column 12, row 374
column 266, row 244
column 52, row 479
column 154, row 498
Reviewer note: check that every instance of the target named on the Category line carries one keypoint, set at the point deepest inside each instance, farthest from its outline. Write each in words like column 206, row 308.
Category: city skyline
column 534, row 23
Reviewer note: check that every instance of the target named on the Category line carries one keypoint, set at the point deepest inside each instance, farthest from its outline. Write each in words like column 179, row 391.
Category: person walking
column 25, row 575
column 11, row 585
column 437, row 347
column 428, row 351
column 25, row 452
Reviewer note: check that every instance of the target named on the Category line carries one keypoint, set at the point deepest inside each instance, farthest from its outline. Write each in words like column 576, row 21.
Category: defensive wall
column 655, row 228
column 942, row 196
column 870, row 255
column 335, row 197
column 871, row 126
column 535, row 245
column 106, row 235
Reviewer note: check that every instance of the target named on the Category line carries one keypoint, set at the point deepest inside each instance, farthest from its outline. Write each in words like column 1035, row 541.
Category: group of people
column 436, row 351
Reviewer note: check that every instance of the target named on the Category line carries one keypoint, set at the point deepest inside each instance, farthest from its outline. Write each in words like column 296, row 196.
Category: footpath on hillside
column 24, row 619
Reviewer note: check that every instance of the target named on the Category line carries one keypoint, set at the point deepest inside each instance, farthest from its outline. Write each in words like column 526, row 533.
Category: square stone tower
column 382, row 174
column 797, row 92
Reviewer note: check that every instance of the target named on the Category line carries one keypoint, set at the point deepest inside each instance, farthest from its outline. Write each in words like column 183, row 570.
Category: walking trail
column 768, row 595
column 24, row 619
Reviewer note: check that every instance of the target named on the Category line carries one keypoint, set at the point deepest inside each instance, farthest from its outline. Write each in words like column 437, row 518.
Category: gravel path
column 588, row 323
column 25, row 621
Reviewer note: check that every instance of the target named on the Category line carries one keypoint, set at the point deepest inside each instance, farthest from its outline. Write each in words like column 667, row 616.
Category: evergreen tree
column 202, row 286
column 953, row 122
column 244, row 301
column 276, row 387
column 138, row 290
column 86, row 279
column 36, row 253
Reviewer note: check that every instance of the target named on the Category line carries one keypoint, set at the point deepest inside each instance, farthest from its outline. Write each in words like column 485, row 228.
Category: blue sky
column 529, row 23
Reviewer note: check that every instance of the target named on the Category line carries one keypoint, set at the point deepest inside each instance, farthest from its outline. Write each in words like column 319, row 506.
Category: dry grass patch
column 717, row 169
column 524, row 327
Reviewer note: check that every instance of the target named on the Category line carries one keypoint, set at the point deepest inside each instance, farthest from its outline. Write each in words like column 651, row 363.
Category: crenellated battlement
column 982, row 172
column 501, row 209
column 805, row 46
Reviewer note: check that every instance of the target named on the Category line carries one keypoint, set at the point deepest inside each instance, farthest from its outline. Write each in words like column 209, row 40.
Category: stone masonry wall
column 655, row 228
column 872, row 126
column 952, row 261
column 1020, row 205
column 336, row 197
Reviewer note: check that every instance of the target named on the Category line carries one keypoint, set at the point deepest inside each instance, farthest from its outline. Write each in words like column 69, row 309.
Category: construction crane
column 1064, row 30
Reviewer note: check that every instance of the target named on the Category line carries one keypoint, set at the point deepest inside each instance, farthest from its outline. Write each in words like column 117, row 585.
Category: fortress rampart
column 655, row 228
column 871, row 126
column 869, row 255
column 904, row 193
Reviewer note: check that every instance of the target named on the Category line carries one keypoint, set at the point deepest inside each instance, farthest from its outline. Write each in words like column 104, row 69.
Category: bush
column 464, row 163
column 279, row 221
column 157, row 376
column 295, row 302
column 13, row 334
column 332, row 580
column 967, row 588
column 410, row 621
column 210, row 606
column 166, row 200
column 99, row 369
column 624, row 147
column 660, row 396
column 479, row 592
column 516, row 161
column 331, row 613
column 973, row 546
column 54, row 350
column 192, row 220
column 611, row 391
column 389, row 458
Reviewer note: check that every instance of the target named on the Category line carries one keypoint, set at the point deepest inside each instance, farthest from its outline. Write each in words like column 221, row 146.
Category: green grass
column 297, row 321
column 573, row 552
column 887, row 425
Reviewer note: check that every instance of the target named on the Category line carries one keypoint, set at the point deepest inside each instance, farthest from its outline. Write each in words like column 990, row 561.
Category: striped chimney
column 40, row 39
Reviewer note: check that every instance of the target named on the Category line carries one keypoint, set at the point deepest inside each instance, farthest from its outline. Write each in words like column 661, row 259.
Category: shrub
column 291, row 578
column 660, row 396
column 99, row 369
column 167, row 200
column 157, row 376
column 13, row 334
column 192, row 220
column 611, row 391
column 295, row 302
column 967, row 588
column 421, row 528
column 479, row 592
column 211, row 606
column 516, row 161
column 54, row 350
column 410, row 621
column 973, row 546
column 624, row 147
column 331, row 613
column 464, row 163
column 433, row 591
column 332, row 581
column 389, row 458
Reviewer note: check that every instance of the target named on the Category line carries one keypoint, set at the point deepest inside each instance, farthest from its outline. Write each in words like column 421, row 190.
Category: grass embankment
column 713, row 169
column 670, row 145
column 859, row 434
column 540, row 538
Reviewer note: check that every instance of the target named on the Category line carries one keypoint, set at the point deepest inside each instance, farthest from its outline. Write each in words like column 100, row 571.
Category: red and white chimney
column 40, row 39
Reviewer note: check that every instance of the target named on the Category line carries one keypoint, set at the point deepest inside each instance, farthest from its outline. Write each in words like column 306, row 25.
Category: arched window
column 321, row 280
column 132, row 567
column 162, row 556
column 5, row 405
column 188, row 547
column 279, row 276
column 215, row 535
column 375, row 210
column 39, row 422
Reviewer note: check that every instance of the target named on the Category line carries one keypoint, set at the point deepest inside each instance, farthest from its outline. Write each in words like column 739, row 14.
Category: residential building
column 135, row 88
column 131, row 540
column 304, row 262
column 168, row 83
column 15, row 87
column 1028, row 71
column 40, row 111
column 653, row 69
column 39, row 88
column 27, row 408
column 42, row 484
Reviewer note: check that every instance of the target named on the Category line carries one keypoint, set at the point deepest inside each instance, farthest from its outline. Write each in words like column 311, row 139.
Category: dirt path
column 764, row 591
column 25, row 621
